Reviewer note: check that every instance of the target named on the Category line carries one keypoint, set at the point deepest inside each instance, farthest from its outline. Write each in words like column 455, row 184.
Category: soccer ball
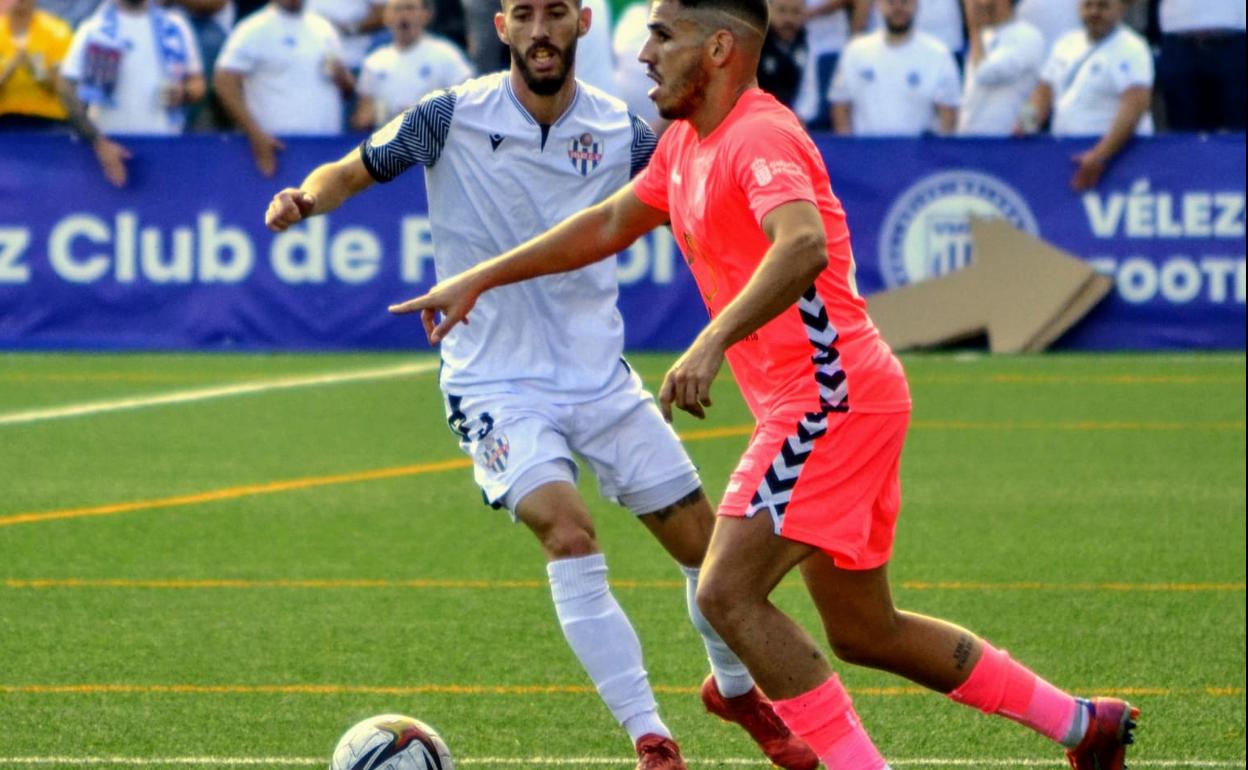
column 391, row 742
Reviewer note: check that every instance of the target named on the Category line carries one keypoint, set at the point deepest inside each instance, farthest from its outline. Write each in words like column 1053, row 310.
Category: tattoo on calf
column 962, row 653
column 665, row 513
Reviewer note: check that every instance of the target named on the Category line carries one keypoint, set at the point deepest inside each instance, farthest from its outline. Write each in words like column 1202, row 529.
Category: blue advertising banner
column 180, row 257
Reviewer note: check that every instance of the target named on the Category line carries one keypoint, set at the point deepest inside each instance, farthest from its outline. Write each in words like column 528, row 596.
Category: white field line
column 621, row 762
column 205, row 394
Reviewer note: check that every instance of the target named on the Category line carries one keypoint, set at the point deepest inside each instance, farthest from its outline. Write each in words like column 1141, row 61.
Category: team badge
column 493, row 451
column 927, row 230
column 585, row 152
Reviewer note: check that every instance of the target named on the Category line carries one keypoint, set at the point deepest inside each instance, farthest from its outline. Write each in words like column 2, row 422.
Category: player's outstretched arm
column 586, row 237
column 798, row 254
column 324, row 190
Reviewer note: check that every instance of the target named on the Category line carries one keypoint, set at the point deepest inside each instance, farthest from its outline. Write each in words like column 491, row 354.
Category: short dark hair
column 753, row 11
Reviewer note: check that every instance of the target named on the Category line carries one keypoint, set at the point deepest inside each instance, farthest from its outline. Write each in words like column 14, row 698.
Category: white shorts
column 521, row 440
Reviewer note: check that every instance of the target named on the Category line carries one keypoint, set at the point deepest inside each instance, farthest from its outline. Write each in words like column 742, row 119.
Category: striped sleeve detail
column 416, row 136
column 644, row 142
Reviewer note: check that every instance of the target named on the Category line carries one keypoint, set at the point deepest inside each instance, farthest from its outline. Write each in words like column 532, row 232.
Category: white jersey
column 1088, row 79
column 495, row 177
column 285, row 61
column 396, row 79
column 893, row 90
column 999, row 84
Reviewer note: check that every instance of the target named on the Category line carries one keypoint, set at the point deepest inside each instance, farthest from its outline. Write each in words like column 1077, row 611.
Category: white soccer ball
column 391, row 742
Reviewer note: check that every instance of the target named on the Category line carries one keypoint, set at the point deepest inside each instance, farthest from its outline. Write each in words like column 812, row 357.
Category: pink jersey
column 822, row 355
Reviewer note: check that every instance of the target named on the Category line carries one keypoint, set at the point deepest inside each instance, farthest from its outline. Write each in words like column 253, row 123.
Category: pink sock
column 1000, row 685
column 825, row 719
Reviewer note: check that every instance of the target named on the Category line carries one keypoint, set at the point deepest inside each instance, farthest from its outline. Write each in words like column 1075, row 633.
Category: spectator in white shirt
column 896, row 81
column 135, row 66
column 1002, row 69
column 396, row 76
column 281, row 73
column 1097, row 82
column 1054, row 18
column 1201, row 66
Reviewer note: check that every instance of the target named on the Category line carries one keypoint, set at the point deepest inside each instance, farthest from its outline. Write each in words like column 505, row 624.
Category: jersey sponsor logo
column 495, row 141
column 927, row 231
column 762, row 174
column 493, row 451
column 766, row 170
column 585, row 152
column 386, row 134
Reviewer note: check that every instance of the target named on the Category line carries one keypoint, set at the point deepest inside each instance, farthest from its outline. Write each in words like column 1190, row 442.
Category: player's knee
column 719, row 603
column 567, row 540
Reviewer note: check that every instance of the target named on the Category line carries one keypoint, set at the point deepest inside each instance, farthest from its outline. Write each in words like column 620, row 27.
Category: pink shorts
column 831, row 481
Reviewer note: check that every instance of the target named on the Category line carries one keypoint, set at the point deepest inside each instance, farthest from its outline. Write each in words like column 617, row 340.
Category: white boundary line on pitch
column 205, row 394
column 570, row 762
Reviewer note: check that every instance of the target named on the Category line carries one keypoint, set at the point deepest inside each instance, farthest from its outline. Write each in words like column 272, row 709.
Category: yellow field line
column 534, row 689
column 231, row 493
column 421, row 583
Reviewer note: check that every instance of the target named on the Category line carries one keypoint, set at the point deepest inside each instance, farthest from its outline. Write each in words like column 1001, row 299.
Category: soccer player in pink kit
column 750, row 204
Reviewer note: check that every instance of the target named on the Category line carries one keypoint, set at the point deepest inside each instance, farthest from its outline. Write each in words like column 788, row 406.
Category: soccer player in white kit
column 539, row 374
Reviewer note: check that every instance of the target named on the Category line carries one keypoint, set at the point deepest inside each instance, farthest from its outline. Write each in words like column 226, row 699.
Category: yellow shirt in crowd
column 46, row 42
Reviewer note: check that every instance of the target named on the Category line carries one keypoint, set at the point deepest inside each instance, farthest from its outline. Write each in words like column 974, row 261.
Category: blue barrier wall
column 181, row 258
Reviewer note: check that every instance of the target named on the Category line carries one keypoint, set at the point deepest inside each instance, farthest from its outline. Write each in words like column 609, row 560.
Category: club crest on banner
column 927, row 231
column 585, row 152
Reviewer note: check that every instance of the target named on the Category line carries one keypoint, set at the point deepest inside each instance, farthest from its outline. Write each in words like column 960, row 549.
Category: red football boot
column 1104, row 746
column 754, row 713
column 655, row 752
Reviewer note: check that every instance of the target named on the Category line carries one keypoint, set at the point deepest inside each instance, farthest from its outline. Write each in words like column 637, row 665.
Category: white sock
column 731, row 675
column 604, row 641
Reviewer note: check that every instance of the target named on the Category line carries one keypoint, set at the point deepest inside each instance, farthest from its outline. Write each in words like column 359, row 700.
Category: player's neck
column 721, row 100
column 544, row 109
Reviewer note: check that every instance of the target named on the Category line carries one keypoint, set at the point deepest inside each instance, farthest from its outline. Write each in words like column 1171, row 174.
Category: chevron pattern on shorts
column 776, row 489
column 833, row 389
column 419, row 139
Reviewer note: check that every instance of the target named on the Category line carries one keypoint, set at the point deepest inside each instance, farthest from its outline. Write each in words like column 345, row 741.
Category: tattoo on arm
column 962, row 653
column 663, row 514
column 77, row 117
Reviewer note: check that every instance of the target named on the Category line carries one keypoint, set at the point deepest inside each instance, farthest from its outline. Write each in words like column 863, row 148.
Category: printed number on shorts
column 463, row 426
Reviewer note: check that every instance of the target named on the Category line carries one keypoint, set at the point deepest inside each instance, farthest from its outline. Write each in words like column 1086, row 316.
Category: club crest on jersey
column 585, row 152
column 493, row 451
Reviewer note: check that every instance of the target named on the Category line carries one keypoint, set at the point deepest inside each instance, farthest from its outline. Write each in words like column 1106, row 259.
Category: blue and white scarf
column 105, row 50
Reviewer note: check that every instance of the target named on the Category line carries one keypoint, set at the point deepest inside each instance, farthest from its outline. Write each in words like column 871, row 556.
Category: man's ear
column 719, row 46
column 500, row 27
column 586, row 18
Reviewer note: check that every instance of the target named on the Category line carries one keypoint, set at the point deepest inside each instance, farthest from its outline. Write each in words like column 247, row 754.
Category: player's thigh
column 684, row 527
column 849, row 601
column 636, row 456
column 555, row 513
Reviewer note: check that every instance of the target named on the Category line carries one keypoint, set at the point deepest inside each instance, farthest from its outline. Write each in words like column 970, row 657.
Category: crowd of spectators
column 1104, row 68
